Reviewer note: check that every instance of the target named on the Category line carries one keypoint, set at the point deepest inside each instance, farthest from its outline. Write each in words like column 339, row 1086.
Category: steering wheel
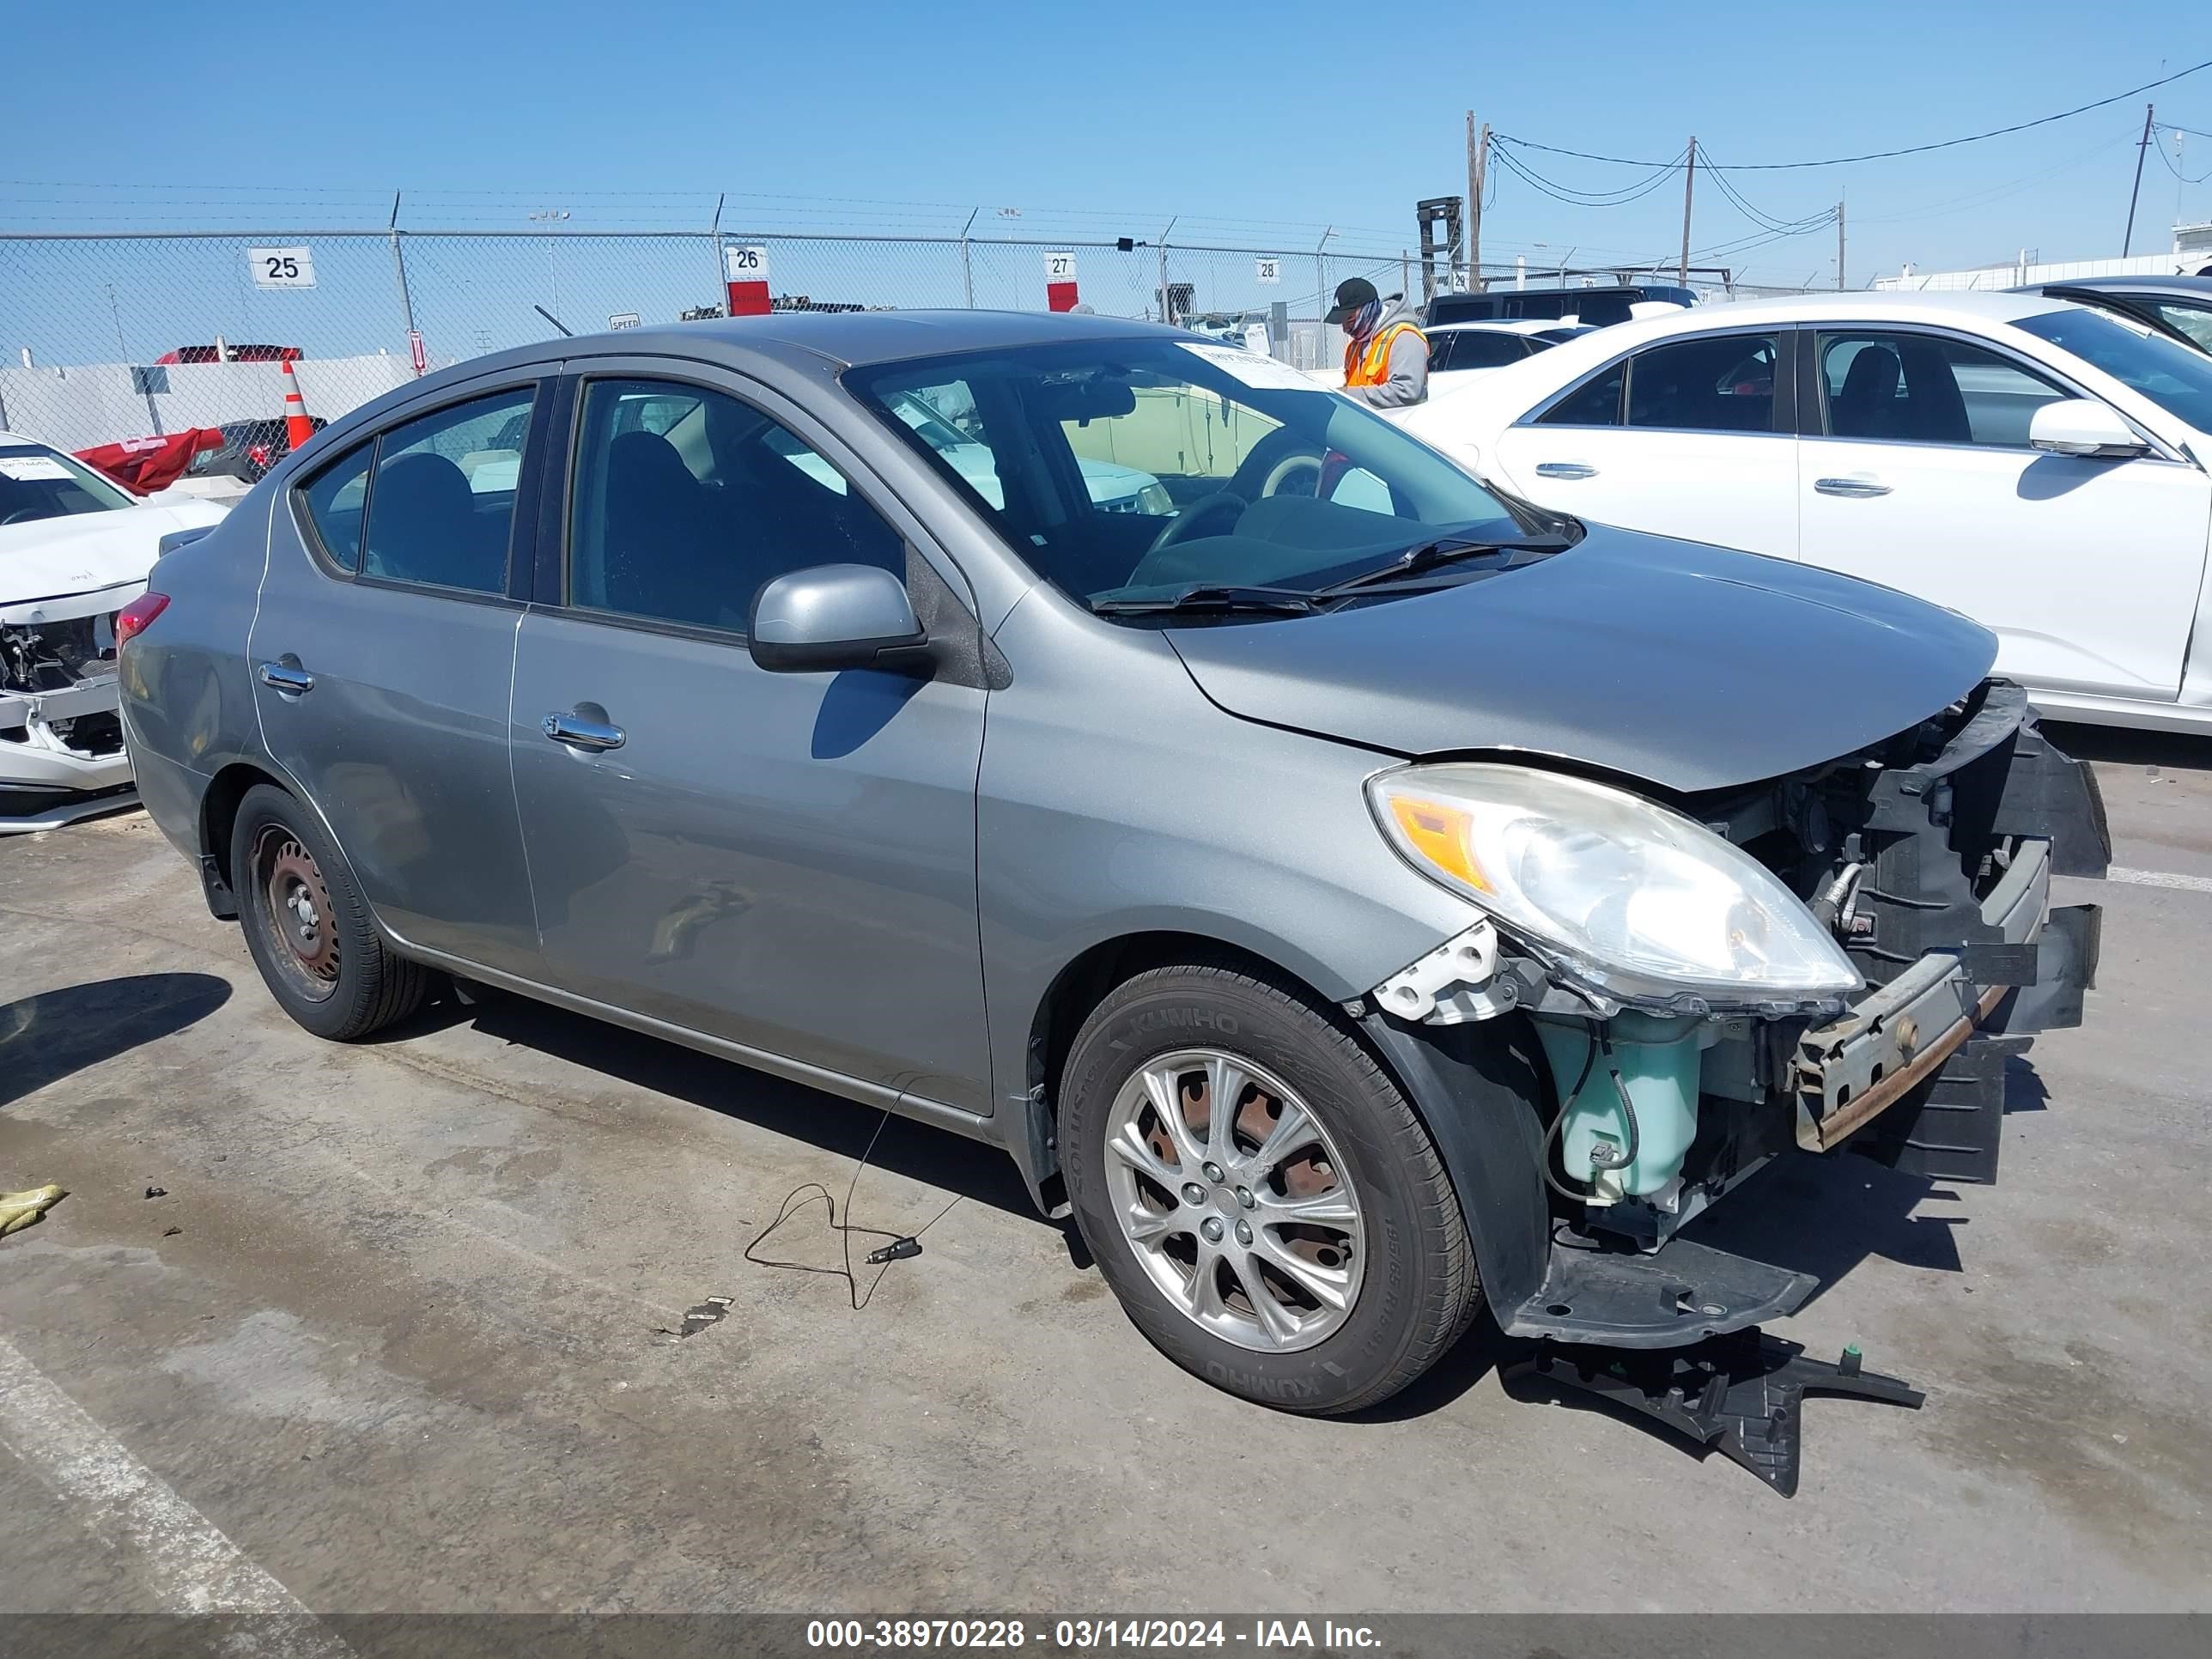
column 26, row 513
column 1181, row 528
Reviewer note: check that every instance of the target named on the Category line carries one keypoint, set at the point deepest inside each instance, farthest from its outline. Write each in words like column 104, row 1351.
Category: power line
column 1574, row 197
column 1877, row 154
column 2174, row 167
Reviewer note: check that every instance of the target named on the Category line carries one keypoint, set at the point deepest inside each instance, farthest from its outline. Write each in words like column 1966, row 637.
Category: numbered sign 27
column 1060, row 280
column 282, row 267
column 745, row 269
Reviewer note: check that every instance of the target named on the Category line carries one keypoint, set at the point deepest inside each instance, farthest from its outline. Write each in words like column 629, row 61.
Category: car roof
column 1500, row 325
column 860, row 337
column 2198, row 288
column 18, row 438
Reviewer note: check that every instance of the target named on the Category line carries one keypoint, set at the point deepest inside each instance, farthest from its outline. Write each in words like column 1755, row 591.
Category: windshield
column 1259, row 478
column 36, row 483
column 2167, row 372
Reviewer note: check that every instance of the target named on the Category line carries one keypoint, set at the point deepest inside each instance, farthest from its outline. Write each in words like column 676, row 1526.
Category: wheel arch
column 219, row 803
column 1478, row 1091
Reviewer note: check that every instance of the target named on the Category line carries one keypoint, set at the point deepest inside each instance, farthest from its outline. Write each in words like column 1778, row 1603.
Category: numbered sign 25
column 746, row 264
column 282, row 267
column 1267, row 270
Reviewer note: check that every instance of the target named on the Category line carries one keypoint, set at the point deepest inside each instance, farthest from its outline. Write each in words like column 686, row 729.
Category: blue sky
column 1266, row 122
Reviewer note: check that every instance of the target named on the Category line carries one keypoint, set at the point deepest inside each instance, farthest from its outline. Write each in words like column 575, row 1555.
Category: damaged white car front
column 74, row 552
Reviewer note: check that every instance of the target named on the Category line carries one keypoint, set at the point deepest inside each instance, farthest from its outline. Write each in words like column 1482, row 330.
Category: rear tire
column 1322, row 1188
column 306, row 925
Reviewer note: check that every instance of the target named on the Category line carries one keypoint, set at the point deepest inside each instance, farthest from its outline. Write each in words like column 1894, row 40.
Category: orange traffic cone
column 297, row 427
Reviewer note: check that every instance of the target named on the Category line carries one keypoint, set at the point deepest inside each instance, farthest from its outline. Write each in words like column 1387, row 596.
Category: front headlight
column 1638, row 900
column 1154, row 499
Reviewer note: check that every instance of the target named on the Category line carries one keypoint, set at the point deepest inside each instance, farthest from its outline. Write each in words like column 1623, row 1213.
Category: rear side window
column 442, row 501
column 335, row 498
column 1723, row 383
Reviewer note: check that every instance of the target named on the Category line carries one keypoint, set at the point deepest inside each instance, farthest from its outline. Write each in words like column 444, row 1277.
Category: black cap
column 1351, row 294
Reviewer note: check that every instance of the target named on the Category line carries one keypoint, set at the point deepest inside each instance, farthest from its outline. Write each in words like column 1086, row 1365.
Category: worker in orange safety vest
column 1386, row 356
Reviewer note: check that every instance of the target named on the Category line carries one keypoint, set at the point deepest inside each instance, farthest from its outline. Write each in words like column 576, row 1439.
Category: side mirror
column 832, row 616
column 2081, row 426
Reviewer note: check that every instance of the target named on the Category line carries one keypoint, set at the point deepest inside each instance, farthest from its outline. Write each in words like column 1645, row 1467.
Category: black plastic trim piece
column 1681, row 1293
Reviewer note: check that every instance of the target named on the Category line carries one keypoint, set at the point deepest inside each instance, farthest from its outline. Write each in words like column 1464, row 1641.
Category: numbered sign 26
column 282, row 267
column 1060, row 280
column 1267, row 269
column 746, row 271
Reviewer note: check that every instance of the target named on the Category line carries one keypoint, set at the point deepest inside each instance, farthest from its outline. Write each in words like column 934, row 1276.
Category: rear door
column 786, row 862
column 382, row 650
column 1688, row 437
column 1917, row 473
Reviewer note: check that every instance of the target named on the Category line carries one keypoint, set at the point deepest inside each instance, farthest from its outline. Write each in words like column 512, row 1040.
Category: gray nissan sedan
column 1356, row 895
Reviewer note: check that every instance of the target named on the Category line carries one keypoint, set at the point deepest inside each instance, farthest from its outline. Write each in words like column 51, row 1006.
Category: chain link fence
column 131, row 335
column 127, row 335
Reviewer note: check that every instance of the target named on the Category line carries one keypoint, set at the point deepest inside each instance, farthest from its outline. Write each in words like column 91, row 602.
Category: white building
column 2190, row 256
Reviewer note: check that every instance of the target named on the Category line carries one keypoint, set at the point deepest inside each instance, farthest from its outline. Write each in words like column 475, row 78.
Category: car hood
column 1686, row 666
column 51, row 569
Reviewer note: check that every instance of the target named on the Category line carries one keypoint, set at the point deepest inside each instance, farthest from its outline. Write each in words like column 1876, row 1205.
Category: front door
column 1682, row 439
column 381, row 651
column 787, row 861
column 1919, row 475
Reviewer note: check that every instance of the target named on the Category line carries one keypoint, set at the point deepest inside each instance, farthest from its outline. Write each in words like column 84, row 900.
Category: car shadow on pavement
column 45, row 1036
column 836, row 1125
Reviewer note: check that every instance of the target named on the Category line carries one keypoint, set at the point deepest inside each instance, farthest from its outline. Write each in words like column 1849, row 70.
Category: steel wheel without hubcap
column 298, row 912
column 1234, row 1201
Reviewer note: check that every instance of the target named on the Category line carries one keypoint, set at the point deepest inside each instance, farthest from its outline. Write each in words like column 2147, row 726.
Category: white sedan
column 2036, row 465
column 1462, row 353
column 74, row 548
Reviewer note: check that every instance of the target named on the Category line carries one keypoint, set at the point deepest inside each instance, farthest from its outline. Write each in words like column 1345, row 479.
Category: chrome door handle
column 292, row 681
column 1857, row 488
column 1565, row 469
column 580, row 734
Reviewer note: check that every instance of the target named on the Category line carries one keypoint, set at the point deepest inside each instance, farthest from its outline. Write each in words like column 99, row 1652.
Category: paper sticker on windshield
column 28, row 468
column 1263, row 373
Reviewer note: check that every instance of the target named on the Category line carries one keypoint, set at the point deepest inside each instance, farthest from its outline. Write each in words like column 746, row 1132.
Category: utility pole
column 1840, row 245
column 1478, row 173
column 2127, row 241
column 1689, row 180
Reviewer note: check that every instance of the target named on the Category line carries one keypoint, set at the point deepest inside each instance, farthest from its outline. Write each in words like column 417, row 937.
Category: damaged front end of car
column 1844, row 954
column 61, row 734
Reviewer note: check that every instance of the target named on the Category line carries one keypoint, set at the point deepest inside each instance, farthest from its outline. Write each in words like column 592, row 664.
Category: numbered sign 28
column 1267, row 269
column 282, row 267
column 1060, row 280
column 746, row 271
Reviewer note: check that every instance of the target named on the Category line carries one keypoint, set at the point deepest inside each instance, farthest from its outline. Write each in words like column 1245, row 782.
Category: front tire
column 306, row 925
column 1305, row 1248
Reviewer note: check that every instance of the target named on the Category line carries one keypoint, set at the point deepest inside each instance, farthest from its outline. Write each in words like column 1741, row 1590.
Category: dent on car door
column 1919, row 474
column 381, row 655
column 1689, row 437
column 783, row 860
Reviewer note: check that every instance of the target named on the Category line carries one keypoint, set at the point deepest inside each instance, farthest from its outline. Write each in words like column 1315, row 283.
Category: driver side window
column 687, row 501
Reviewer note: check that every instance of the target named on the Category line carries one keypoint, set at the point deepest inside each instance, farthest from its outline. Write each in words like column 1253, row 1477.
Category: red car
column 236, row 354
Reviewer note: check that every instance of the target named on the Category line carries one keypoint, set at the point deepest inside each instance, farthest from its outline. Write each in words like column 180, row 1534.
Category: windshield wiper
column 1445, row 550
column 1212, row 596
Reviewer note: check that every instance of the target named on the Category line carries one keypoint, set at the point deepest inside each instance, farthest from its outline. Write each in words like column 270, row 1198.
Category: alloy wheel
column 1232, row 1196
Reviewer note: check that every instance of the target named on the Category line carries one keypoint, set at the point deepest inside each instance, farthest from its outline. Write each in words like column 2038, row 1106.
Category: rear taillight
column 135, row 617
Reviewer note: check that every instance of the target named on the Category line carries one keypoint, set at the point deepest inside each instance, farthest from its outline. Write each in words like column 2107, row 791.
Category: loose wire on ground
column 897, row 1247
